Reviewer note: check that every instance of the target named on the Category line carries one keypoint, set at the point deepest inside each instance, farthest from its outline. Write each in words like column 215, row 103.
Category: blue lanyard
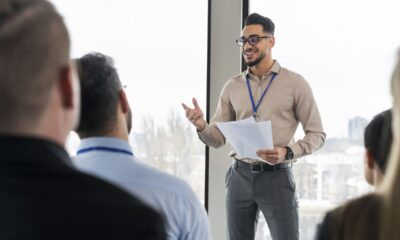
column 255, row 107
column 106, row 149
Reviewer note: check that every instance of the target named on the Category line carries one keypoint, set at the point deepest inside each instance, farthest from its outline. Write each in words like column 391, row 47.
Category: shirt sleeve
column 195, row 225
column 211, row 135
column 306, row 111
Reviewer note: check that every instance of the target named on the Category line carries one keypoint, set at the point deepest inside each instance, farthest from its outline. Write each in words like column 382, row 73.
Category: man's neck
column 117, row 134
column 119, row 130
column 262, row 68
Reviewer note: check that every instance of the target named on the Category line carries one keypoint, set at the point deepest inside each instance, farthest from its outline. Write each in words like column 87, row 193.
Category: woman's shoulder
column 357, row 217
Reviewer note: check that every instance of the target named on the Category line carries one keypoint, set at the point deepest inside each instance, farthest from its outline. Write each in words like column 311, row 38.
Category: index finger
column 196, row 105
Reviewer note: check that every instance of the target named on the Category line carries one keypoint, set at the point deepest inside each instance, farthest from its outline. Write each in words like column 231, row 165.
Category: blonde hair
column 390, row 187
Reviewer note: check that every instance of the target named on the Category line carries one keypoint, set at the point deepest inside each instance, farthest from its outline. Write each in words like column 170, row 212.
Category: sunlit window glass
column 346, row 51
column 160, row 50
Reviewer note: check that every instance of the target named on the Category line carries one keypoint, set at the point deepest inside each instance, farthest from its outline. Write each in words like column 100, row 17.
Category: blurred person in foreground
column 104, row 151
column 42, row 195
column 389, row 189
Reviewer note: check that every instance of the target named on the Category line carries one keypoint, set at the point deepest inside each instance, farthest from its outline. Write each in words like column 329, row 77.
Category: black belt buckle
column 257, row 168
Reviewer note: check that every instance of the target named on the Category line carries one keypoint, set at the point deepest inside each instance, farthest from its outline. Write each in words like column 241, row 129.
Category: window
column 160, row 51
column 346, row 50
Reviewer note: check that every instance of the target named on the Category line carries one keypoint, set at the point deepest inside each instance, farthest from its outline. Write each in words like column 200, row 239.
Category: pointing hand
column 195, row 115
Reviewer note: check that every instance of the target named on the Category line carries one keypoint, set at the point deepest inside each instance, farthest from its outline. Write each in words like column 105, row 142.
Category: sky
column 345, row 50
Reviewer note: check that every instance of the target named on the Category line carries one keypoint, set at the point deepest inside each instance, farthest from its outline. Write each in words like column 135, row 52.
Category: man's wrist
column 201, row 128
column 289, row 153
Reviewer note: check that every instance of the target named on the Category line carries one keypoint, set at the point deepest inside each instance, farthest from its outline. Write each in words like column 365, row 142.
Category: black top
column 42, row 196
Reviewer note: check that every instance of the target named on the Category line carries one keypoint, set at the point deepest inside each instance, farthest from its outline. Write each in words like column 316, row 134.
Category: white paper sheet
column 247, row 136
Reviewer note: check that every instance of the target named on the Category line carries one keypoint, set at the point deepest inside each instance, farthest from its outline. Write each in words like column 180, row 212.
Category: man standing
column 265, row 91
column 105, row 152
column 42, row 195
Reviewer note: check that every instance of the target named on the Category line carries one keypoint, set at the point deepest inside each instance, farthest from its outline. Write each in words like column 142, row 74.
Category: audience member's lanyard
column 106, row 149
column 255, row 107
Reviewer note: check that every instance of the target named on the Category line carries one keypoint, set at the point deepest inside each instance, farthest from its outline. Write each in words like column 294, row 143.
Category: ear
column 66, row 86
column 123, row 101
column 272, row 41
column 370, row 159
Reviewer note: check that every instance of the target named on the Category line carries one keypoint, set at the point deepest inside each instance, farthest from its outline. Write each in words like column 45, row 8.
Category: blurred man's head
column 377, row 141
column 105, row 109
column 35, row 72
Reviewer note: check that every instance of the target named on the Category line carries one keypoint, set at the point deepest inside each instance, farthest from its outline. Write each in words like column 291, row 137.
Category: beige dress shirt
column 288, row 102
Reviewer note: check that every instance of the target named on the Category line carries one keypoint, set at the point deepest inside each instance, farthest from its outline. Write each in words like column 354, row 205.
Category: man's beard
column 257, row 61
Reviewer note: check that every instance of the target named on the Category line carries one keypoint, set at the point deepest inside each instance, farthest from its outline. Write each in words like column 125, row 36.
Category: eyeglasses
column 252, row 40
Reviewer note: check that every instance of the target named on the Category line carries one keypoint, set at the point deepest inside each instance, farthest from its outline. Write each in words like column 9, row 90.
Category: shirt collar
column 276, row 67
column 109, row 142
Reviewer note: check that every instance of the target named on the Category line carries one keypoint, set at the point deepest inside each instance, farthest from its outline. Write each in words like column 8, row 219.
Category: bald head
column 34, row 48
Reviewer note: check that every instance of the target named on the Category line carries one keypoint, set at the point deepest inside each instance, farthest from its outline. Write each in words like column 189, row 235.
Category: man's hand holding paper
column 247, row 136
column 272, row 156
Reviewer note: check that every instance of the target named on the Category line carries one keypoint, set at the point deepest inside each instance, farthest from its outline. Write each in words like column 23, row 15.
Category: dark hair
column 267, row 24
column 34, row 47
column 378, row 137
column 100, row 86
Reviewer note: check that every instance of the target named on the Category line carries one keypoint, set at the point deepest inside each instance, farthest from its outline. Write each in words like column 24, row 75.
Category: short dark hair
column 267, row 24
column 100, row 87
column 378, row 137
column 34, row 47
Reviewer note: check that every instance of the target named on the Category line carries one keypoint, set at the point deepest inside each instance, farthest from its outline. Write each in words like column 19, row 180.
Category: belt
column 260, row 167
